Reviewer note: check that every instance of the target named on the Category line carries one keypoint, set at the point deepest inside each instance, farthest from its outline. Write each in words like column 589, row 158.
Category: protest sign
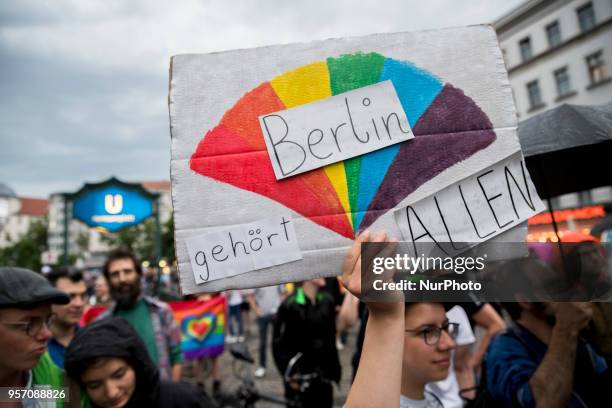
column 243, row 248
column 453, row 89
column 345, row 126
column 478, row 208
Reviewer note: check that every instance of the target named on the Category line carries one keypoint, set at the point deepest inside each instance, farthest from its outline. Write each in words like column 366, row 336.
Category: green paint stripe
column 353, row 71
column 351, row 168
column 346, row 73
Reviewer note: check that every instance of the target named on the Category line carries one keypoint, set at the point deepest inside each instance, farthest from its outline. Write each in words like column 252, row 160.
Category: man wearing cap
column 25, row 308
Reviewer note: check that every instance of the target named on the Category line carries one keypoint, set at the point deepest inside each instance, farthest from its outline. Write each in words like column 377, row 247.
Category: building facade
column 556, row 52
column 27, row 211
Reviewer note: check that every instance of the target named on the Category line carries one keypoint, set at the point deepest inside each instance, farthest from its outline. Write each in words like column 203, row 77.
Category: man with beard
column 65, row 321
column 544, row 360
column 151, row 318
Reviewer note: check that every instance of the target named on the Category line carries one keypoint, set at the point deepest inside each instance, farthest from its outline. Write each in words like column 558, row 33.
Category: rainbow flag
column 202, row 326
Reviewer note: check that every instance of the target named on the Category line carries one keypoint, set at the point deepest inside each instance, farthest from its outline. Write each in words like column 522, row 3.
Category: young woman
column 418, row 332
column 110, row 362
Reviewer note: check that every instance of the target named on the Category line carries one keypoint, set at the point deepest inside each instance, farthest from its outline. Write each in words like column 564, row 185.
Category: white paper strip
column 243, row 248
column 334, row 129
column 473, row 210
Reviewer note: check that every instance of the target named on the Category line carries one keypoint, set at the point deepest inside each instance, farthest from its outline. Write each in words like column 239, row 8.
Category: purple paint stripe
column 452, row 129
column 208, row 351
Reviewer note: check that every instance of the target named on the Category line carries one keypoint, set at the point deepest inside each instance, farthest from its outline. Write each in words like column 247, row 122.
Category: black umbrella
column 601, row 226
column 568, row 149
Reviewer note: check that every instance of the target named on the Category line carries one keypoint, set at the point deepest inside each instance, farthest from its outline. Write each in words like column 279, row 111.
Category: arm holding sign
column 378, row 379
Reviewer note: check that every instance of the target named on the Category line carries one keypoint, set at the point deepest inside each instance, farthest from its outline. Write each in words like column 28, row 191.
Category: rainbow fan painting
column 349, row 196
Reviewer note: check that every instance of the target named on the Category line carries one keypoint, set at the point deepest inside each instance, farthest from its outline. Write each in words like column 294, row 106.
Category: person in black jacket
column 306, row 323
column 110, row 362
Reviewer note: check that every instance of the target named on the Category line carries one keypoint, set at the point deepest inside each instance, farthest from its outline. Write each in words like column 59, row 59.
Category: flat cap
column 24, row 288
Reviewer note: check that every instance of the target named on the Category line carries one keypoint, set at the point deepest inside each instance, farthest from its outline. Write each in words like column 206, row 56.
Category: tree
column 27, row 251
column 140, row 239
column 167, row 241
column 82, row 243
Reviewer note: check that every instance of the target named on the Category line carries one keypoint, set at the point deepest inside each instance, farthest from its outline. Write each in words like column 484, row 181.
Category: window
column 562, row 80
column 586, row 17
column 553, row 32
column 596, row 67
column 525, row 46
column 585, row 198
column 535, row 98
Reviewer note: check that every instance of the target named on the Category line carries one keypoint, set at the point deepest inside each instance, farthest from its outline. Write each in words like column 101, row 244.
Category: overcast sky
column 84, row 83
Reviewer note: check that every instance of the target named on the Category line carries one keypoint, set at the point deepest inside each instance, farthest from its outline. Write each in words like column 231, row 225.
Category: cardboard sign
column 243, row 248
column 473, row 210
column 452, row 86
column 334, row 129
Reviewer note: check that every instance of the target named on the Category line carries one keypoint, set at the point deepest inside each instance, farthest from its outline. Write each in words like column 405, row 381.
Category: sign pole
column 66, row 232
column 157, row 244
column 157, row 233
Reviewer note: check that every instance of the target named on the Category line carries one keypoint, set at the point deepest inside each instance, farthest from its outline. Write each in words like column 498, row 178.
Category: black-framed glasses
column 432, row 334
column 33, row 327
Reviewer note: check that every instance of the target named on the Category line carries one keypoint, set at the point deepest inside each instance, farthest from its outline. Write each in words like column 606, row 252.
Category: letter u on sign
column 113, row 204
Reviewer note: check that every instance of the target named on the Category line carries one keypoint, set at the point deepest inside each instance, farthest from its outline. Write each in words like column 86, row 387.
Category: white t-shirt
column 430, row 401
column 268, row 299
column 234, row 297
column 447, row 390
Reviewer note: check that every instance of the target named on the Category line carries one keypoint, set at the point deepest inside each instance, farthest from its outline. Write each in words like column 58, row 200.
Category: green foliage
column 72, row 258
column 141, row 240
column 167, row 241
column 27, row 251
column 82, row 242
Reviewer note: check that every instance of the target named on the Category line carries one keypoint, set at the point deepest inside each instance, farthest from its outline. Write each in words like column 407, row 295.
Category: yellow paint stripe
column 307, row 84
column 335, row 173
column 302, row 85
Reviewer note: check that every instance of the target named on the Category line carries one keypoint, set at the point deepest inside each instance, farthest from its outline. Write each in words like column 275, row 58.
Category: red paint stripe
column 243, row 118
column 251, row 170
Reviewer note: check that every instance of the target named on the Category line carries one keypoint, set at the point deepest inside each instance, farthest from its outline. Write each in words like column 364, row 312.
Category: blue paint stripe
column 416, row 89
column 209, row 341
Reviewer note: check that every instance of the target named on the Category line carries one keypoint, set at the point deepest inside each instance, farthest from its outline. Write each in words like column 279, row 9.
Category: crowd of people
column 407, row 354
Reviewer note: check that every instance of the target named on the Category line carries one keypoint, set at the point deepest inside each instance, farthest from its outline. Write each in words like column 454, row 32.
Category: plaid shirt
column 166, row 331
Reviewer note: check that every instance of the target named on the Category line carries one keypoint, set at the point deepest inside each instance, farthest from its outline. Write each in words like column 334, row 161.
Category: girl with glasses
column 406, row 345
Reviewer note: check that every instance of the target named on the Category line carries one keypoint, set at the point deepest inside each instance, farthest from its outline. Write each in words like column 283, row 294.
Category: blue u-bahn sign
column 112, row 204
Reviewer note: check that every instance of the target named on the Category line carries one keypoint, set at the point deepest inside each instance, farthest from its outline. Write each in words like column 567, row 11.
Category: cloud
column 84, row 83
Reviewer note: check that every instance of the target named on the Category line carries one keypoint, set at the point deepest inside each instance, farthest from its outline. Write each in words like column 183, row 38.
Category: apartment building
column 559, row 51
